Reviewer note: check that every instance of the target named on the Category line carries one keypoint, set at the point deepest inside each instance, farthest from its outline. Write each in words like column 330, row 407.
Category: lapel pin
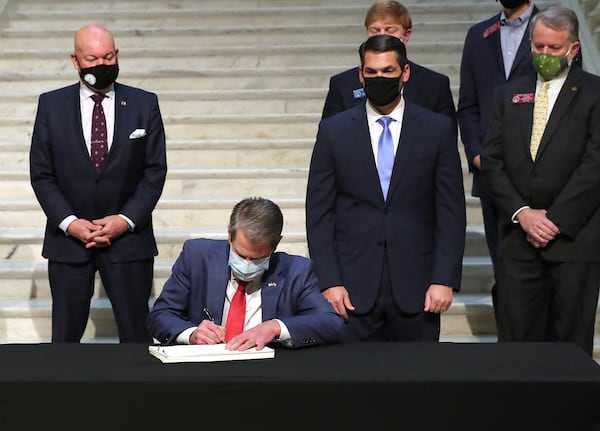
column 573, row 88
column 272, row 284
column 123, row 103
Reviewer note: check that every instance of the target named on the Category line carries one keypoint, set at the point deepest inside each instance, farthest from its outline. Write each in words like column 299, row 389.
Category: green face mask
column 548, row 65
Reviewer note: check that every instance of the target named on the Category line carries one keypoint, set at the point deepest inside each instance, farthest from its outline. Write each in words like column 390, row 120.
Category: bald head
column 94, row 45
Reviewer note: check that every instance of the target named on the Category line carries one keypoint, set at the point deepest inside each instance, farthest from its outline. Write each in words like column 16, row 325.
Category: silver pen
column 210, row 317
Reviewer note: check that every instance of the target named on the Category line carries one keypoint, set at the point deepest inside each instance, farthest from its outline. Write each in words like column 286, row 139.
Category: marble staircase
column 241, row 86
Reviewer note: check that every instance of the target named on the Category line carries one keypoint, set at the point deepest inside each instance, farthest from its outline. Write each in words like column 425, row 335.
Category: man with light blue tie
column 385, row 208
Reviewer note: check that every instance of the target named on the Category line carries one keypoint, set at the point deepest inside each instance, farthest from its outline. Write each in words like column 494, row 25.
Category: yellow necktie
column 540, row 115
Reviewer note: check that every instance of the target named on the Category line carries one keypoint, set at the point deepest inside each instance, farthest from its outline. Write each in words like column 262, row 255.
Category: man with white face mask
column 242, row 292
column 541, row 162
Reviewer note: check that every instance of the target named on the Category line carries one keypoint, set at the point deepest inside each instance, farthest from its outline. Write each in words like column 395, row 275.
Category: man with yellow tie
column 541, row 161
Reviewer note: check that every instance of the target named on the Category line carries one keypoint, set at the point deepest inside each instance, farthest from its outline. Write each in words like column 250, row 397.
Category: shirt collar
column 85, row 92
column 518, row 21
column 396, row 114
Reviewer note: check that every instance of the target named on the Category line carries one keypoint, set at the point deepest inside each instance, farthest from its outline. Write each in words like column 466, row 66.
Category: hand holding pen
column 208, row 332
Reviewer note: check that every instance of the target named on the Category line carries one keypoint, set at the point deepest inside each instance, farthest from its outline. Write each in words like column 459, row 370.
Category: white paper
column 207, row 353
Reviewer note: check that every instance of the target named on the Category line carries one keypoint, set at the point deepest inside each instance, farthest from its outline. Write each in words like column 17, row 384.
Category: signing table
column 368, row 386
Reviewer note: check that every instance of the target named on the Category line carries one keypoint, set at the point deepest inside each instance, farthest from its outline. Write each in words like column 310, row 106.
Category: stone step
column 206, row 154
column 23, row 279
column 261, row 101
column 181, row 36
column 469, row 316
column 209, row 57
column 171, row 79
column 217, row 126
column 155, row 16
column 192, row 212
column 196, row 211
column 114, row 5
column 20, row 243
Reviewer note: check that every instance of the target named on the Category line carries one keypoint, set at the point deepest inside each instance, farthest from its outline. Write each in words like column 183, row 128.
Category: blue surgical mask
column 247, row 269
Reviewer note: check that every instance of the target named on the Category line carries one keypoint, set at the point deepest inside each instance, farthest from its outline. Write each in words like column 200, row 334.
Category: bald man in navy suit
column 99, row 214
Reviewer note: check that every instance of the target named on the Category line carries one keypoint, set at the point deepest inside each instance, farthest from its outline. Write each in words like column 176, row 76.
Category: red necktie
column 98, row 144
column 237, row 312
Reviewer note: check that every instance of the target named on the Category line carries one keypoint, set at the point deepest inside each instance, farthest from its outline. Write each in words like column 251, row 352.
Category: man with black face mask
column 98, row 166
column 385, row 207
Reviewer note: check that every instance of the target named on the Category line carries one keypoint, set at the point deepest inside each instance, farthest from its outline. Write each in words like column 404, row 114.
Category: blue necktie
column 385, row 155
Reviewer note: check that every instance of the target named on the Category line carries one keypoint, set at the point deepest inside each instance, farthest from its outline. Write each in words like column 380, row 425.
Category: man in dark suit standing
column 541, row 162
column 280, row 295
column 496, row 51
column 426, row 88
column 98, row 166
column 385, row 208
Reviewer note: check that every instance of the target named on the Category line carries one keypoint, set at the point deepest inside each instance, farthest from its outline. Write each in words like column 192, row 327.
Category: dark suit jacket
column 289, row 292
column 422, row 223
column 564, row 179
column 65, row 181
column 481, row 72
column 425, row 87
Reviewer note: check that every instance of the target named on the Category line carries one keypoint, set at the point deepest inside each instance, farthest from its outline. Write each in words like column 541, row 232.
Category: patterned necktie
column 540, row 116
column 385, row 155
column 237, row 312
column 98, row 142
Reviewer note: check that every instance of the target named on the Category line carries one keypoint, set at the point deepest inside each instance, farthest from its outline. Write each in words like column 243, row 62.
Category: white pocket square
column 137, row 133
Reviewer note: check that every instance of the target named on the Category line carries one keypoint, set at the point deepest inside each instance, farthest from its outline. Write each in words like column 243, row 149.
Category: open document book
column 207, row 353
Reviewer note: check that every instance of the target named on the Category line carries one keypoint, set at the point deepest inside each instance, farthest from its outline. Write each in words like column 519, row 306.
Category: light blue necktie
column 385, row 155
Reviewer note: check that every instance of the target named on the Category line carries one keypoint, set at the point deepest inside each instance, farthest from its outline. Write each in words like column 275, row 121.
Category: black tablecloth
column 412, row 386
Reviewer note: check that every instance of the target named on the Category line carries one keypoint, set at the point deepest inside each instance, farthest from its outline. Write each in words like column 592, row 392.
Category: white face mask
column 247, row 270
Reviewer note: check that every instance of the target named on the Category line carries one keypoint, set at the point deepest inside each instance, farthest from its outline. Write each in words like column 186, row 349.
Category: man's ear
column 406, row 73
column 360, row 76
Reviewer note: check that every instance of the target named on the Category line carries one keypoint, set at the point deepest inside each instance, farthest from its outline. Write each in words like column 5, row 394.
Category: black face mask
column 512, row 4
column 382, row 91
column 101, row 76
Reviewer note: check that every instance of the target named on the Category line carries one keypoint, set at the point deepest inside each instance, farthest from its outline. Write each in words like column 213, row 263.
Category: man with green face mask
column 541, row 162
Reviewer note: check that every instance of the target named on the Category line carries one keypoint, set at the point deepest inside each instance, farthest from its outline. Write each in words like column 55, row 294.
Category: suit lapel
column 72, row 109
column 360, row 139
column 217, row 281
column 406, row 144
column 270, row 290
column 525, row 112
column 494, row 40
column 121, row 120
column 565, row 97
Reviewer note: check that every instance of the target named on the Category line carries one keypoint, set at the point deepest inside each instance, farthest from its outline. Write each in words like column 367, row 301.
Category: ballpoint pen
column 210, row 317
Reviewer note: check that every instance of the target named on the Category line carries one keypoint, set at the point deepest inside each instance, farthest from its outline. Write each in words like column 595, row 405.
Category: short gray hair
column 260, row 218
column 558, row 18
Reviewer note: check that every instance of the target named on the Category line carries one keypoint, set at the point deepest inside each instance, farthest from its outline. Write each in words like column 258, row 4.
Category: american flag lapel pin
column 272, row 284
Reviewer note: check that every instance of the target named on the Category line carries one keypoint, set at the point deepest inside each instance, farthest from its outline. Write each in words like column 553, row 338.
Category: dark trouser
column 127, row 285
column 386, row 322
column 548, row 301
column 490, row 222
